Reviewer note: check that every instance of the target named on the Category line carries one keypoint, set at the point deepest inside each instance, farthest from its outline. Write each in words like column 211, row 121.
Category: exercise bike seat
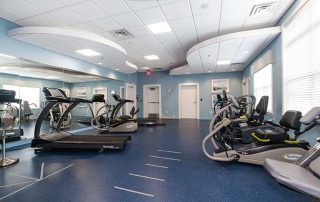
column 278, row 134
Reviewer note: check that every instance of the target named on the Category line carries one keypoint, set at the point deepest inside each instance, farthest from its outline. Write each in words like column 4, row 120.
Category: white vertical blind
column 301, row 71
column 262, row 85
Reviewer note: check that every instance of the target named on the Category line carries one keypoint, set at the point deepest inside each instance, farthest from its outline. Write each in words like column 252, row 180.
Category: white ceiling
column 191, row 21
column 31, row 69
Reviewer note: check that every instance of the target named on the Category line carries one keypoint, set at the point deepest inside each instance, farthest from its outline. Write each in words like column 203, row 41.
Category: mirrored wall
column 28, row 78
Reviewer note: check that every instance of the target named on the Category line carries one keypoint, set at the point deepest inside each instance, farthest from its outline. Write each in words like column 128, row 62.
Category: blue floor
column 110, row 176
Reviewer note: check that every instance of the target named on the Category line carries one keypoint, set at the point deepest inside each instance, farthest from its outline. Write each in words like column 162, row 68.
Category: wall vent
column 121, row 34
column 263, row 9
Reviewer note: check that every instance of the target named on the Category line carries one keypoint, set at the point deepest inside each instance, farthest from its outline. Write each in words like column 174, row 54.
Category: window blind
column 301, row 71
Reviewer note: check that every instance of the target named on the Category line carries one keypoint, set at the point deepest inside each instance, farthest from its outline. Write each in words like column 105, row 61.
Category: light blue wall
column 169, row 88
column 109, row 84
column 31, row 52
column 275, row 46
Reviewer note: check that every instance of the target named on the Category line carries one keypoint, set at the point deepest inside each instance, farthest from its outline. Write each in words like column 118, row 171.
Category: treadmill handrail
column 65, row 114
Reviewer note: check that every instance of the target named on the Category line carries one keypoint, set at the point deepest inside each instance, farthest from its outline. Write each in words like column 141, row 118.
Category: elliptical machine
column 107, row 119
column 270, row 143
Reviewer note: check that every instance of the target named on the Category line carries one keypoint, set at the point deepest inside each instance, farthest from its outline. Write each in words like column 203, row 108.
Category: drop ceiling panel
column 233, row 20
column 20, row 7
column 112, row 7
column 177, row 10
column 228, row 49
column 194, row 61
column 207, row 26
column 209, row 56
column 139, row 31
column 9, row 14
column 88, row 10
column 172, row 44
column 67, row 15
column 127, row 20
column 45, row 5
column 138, row 5
column 151, row 15
column 205, row 7
column 41, row 20
column 107, row 24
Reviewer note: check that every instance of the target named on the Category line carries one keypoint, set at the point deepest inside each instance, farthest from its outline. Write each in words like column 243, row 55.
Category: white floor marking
column 133, row 191
column 41, row 172
column 153, row 165
column 167, row 151
column 24, row 176
column 10, row 185
column 160, row 157
column 36, row 181
column 147, row 177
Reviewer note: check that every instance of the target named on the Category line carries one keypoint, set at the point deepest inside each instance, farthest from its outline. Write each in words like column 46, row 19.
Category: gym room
column 160, row 100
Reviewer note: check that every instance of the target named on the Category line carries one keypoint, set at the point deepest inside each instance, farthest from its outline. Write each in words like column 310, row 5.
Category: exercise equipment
column 8, row 120
column 108, row 119
column 266, row 145
column 302, row 175
column 63, row 140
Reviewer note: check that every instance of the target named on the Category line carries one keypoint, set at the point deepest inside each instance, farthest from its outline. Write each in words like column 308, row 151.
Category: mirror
column 28, row 78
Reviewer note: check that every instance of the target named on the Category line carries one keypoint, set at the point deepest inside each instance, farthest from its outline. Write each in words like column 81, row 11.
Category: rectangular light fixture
column 88, row 52
column 160, row 27
column 223, row 62
column 151, row 57
column 7, row 56
column 131, row 65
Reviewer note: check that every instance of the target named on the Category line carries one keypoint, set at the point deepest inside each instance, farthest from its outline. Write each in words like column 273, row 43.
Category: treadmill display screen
column 55, row 92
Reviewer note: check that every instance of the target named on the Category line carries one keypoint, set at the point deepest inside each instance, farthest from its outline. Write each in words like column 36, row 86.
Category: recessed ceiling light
column 223, row 62
column 151, row 57
column 245, row 52
column 117, row 69
column 88, row 52
column 131, row 65
column 209, row 71
column 52, row 77
column 99, row 63
column 7, row 56
column 160, row 27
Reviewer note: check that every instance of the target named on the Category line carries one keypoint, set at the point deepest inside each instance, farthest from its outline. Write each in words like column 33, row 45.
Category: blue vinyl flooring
column 92, row 176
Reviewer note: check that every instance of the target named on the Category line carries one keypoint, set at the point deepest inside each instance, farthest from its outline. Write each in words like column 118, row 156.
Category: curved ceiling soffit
column 235, row 35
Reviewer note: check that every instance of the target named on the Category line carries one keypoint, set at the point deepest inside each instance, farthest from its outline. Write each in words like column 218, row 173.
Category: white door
column 151, row 103
column 188, row 101
column 98, row 105
column 131, row 94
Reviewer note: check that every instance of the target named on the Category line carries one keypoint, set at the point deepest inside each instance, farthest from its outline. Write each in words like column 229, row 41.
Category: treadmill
column 63, row 140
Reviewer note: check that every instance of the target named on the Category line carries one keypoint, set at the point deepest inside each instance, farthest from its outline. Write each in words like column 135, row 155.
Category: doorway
column 98, row 105
column 152, row 101
column 130, row 94
column 189, row 101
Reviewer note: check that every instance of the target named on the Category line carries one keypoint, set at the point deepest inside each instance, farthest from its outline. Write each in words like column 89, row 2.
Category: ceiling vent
column 263, row 9
column 121, row 34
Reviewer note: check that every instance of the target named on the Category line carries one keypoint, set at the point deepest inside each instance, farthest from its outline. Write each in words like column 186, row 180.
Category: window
column 32, row 95
column 301, row 71
column 263, row 84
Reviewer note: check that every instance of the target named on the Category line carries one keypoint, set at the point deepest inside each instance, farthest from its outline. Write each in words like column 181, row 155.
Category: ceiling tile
column 89, row 27
column 206, row 7
column 107, row 24
column 20, row 7
column 228, row 49
column 209, row 57
column 112, row 7
column 170, row 10
column 207, row 26
column 194, row 62
column 151, row 15
column 45, row 5
column 139, row 31
column 9, row 15
column 88, row 10
column 67, row 15
column 233, row 20
column 41, row 20
column 69, row 2
column 138, row 5
column 127, row 20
